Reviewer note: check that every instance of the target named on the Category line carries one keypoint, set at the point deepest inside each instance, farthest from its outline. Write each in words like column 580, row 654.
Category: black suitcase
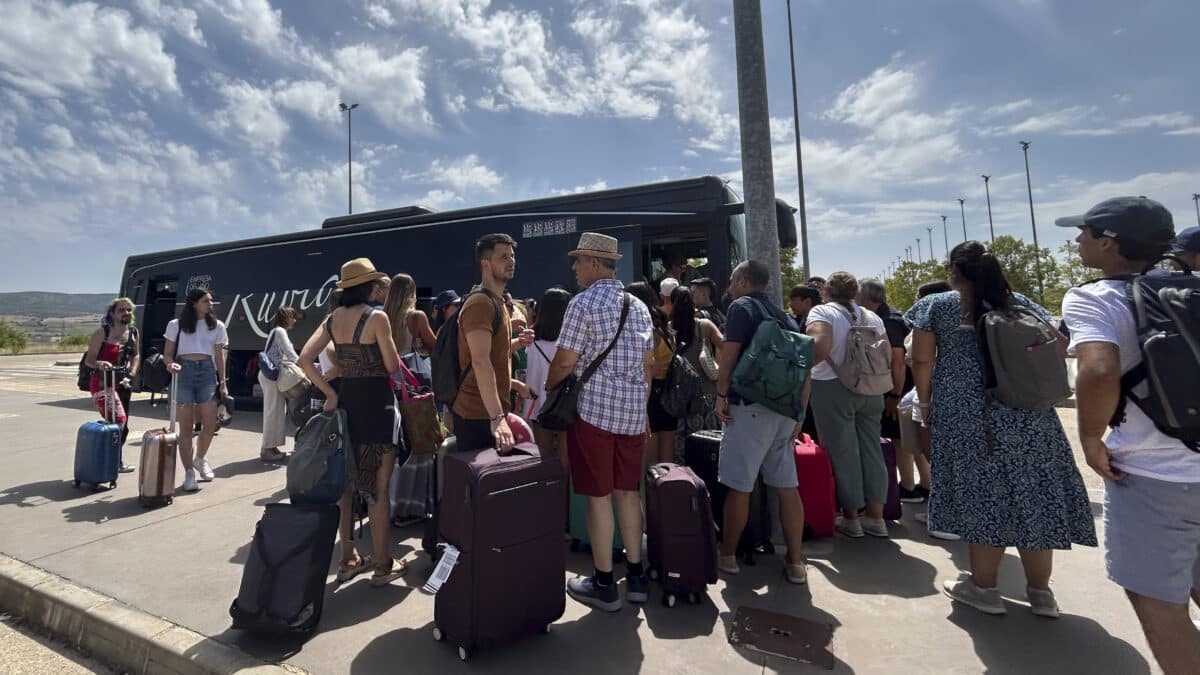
column 283, row 583
column 702, row 451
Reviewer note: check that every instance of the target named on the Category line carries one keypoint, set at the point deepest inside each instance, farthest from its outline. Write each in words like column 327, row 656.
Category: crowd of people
column 993, row 476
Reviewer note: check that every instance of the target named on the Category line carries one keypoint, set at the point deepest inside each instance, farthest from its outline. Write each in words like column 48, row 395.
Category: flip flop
column 395, row 570
column 349, row 569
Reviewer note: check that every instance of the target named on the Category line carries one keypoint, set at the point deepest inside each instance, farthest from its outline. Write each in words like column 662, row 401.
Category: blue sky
column 151, row 124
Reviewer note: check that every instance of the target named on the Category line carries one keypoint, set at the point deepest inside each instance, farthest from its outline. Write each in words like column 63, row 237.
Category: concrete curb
column 116, row 633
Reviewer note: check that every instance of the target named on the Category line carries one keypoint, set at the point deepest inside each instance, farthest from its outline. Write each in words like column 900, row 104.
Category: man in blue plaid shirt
column 608, row 438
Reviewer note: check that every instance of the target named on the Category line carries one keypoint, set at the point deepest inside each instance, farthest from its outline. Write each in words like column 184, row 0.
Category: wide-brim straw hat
column 596, row 246
column 358, row 272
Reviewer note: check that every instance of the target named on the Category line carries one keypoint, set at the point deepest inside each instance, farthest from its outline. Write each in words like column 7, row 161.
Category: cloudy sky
column 151, row 124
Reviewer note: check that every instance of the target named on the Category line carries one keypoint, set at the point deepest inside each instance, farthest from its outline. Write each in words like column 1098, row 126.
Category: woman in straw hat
column 367, row 357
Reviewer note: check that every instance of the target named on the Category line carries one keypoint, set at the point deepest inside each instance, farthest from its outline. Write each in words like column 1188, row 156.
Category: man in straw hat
column 605, row 444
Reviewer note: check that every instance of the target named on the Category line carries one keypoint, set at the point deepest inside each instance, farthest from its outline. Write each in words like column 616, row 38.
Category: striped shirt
column 615, row 398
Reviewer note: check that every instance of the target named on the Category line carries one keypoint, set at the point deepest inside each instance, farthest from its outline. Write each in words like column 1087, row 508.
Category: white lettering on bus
column 267, row 305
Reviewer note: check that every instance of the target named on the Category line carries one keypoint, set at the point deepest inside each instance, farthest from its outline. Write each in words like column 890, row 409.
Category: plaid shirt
column 615, row 398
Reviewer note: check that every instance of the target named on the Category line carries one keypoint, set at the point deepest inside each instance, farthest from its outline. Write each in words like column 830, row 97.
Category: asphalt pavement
column 184, row 563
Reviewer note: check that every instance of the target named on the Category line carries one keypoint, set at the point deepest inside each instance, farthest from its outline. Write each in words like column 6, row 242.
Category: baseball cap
column 445, row 299
column 667, row 286
column 1187, row 241
column 1131, row 218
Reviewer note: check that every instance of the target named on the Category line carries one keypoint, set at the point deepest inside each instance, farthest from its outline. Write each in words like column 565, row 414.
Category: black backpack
column 1166, row 310
column 155, row 378
column 448, row 374
column 84, row 380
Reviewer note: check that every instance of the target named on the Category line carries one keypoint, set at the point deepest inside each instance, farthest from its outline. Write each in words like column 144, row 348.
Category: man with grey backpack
column 1135, row 334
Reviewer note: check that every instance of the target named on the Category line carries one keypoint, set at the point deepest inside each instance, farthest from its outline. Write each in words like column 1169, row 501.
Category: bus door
column 161, row 298
column 629, row 245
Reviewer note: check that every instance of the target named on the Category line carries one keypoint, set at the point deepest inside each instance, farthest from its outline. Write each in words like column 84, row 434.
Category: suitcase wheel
column 76, row 482
column 653, row 574
column 463, row 654
column 438, row 635
column 669, row 599
column 546, row 629
column 113, row 485
column 693, row 598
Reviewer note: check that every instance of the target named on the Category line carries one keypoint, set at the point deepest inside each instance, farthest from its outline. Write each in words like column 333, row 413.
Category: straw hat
column 357, row 272
column 596, row 246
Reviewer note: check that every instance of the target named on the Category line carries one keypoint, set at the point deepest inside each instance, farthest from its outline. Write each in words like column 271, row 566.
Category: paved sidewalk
column 183, row 563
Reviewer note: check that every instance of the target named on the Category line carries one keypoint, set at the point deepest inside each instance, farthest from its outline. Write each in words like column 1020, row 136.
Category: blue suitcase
column 98, row 451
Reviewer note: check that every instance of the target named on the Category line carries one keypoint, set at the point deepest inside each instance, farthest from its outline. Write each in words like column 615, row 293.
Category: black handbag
column 562, row 403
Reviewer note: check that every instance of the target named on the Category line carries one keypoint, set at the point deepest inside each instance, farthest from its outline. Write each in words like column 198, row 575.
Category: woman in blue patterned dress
column 1023, row 489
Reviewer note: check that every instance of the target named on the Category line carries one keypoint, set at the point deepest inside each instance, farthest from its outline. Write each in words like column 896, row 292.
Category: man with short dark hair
column 704, row 294
column 801, row 300
column 1152, row 480
column 817, row 283
column 1187, row 248
column 609, row 435
column 756, row 440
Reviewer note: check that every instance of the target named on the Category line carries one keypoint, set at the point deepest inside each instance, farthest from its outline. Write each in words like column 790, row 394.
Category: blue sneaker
column 637, row 588
column 585, row 590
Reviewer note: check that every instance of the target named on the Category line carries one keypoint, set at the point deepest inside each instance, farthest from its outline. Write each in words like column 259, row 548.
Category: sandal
column 349, row 569
column 388, row 571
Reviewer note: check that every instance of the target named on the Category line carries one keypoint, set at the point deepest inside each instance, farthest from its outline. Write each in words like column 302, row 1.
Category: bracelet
column 722, row 396
column 497, row 418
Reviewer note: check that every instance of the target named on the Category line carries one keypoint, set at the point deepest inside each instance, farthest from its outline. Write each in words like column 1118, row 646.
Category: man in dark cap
column 1187, row 248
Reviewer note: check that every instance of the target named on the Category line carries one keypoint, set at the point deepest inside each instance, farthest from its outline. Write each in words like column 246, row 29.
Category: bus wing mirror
column 785, row 222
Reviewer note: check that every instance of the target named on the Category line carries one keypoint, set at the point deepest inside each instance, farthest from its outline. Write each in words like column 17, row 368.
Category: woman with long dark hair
column 1001, row 477
column 551, row 311
column 661, row 446
column 694, row 336
column 366, row 358
column 195, row 353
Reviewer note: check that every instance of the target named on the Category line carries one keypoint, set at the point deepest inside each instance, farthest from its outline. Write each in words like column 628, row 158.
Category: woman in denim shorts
column 195, row 353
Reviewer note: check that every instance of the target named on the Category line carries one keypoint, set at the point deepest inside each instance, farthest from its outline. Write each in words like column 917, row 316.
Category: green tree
column 12, row 338
column 74, row 341
column 790, row 274
column 903, row 284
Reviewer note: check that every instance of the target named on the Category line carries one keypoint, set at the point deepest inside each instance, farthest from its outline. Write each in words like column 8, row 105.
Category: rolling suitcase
column 892, row 510
column 503, row 514
column 815, row 475
column 702, row 450
column 283, row 582
column 681, row 536
column 156, row 471
column 98, row 444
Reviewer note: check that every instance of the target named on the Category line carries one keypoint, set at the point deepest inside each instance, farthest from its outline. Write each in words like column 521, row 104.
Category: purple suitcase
column 504, row 513
column 681, row 535
column 891, row 509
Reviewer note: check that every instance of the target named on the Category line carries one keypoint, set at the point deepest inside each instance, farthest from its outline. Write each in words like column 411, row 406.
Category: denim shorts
column 197, row 381
column 1152, row 537
column 758, row 440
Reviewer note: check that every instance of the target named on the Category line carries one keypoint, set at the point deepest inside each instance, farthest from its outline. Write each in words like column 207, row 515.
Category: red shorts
column 602, row 462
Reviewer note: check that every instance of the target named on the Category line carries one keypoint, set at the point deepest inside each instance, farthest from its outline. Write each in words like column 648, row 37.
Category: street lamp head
column 343, row 107
column 961, row 201
column 986, row 178
column 1025, row 144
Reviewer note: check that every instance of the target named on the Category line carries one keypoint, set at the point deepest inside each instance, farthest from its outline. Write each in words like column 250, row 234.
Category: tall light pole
column 908, row 253
column 1037, row 249
column 349, row 110
column 919, row 250
column 799, row 162
column 988, row 192
column 962, row 210
column 758, row 175
column 930, row 231
column 1196, row 199
column 946, row 237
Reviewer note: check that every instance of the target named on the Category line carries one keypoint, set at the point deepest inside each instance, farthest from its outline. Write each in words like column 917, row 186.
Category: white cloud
column 48, row 49
column 58, row 136
column 439, row 199
column 315, row 99
column 1189, row 131
column 389, row 87
column 464, row 175
column 250, row 112
column 869, row 101
column 1066, row 118
column 180, row 19
column 1008, row 108
column 578, row 189
column 456, row 104
column 379, row 16
column 1174, row 121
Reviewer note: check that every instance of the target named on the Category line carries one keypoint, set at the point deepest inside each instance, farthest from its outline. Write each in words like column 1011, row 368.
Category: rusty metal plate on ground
column 782, row 635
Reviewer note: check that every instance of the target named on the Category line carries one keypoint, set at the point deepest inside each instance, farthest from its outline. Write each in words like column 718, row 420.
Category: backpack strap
column 595, row 364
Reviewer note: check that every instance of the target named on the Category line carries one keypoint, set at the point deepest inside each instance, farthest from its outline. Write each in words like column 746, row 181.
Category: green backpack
column 774, row 366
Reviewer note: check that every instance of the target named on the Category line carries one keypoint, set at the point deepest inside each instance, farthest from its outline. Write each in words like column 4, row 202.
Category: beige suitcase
column 156, row 471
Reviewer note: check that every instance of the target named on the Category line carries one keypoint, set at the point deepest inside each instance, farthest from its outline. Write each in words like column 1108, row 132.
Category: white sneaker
column 189, row 481
column 876, row 527
column 850, row 528
column 205, row 471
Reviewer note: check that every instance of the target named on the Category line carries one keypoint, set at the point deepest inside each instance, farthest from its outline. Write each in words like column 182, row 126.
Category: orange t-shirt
column 478, row 313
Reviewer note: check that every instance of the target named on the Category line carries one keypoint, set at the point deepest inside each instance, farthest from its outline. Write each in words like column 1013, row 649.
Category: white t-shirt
column 200, row 342
column 538, row 370
column 1099, row 312
column 838, row 318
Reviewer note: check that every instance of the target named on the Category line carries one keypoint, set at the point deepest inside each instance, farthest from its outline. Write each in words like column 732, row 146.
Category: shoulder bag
column 562, row 403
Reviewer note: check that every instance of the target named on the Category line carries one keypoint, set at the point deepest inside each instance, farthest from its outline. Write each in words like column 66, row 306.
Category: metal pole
column 1196, row 199
column 963, row 211
column 930, row 231
column 349, row 110
column 799, row 162
column 946, row 237
column 987, row 191
column 758, row 179
column 1037, row 249
column 919, row 250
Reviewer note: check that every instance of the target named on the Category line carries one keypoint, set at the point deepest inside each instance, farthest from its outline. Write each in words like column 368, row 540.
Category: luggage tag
column 444, row 567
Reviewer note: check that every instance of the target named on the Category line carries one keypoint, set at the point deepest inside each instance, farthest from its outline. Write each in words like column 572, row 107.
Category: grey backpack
column 323, row 461
column 1024, row 368
column 867, row 366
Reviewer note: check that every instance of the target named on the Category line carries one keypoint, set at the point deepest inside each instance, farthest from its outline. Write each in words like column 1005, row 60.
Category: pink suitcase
column 156, row 471
column 815, row 475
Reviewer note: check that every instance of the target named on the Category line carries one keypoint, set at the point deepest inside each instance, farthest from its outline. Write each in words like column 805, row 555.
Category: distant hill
column 43, row 305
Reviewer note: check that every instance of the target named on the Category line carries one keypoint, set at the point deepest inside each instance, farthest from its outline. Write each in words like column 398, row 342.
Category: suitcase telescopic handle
column 174, row 396
column 108, row 382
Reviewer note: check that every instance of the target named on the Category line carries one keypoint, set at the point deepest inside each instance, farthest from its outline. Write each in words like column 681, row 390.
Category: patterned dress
column 1024, row 490
column 706, row 420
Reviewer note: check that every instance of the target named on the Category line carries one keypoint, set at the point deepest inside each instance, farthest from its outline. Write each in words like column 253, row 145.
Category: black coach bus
column 700, row 218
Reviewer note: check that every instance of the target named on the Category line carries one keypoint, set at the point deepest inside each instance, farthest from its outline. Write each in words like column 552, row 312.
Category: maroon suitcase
column 892, row 510
column 504, row 513
column 681, row 535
